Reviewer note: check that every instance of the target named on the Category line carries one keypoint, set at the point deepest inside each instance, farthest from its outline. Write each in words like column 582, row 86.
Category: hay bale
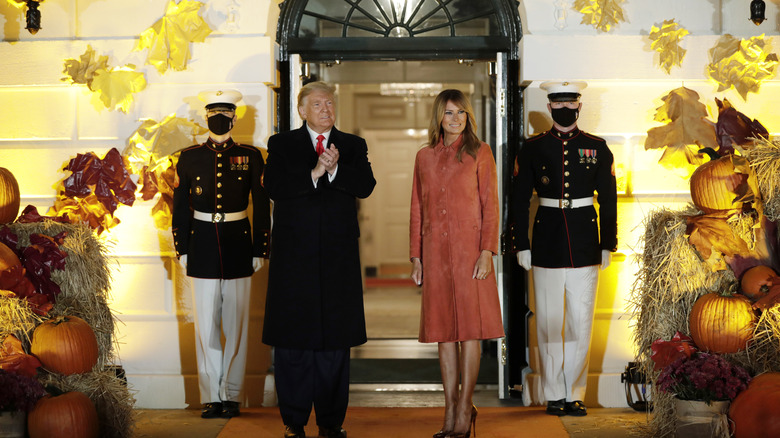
column 85, row 281
column 85, row 285
column 16, row 318
column 671, row 277
column 764, row 158
column 113, row 401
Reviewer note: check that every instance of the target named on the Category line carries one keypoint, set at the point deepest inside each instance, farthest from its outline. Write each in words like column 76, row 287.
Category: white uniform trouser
column 565, row 300
column 221, row 304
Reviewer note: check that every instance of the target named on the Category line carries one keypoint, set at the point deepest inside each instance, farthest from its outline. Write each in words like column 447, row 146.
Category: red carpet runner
column 525, row 422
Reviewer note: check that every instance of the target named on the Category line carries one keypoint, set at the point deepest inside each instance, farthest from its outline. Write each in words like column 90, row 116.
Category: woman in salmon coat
column 453, row 237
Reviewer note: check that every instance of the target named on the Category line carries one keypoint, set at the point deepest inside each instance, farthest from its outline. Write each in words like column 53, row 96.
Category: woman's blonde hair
column 435, row 132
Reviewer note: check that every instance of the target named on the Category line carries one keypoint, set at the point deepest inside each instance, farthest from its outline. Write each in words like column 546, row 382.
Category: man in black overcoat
column 565, row 166
column 214, row 240
column 314, row 306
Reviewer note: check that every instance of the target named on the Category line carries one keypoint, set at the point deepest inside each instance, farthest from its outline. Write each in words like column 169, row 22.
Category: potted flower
column 18, row 395
column 703, row 384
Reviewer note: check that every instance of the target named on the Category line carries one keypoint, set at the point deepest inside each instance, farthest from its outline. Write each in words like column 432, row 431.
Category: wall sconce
column 757, row 10
column 33, row 14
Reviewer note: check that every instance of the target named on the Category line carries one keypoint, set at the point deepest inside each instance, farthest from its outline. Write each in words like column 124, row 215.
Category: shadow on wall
column 539, row 122
column 14, row 18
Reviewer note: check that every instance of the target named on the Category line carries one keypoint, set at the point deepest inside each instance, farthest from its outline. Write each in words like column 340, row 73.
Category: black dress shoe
column 230, row 409
column 332, row 432
column 556, row 407
column 294, row 432
column 576, row 409
column 211, row 410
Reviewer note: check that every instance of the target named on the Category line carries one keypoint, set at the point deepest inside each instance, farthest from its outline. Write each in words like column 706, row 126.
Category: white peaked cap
column 563, row 90
column 226, row 97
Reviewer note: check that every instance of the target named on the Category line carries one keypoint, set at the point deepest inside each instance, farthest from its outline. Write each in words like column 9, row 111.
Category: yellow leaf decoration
column 168, row 40
column 742, row 64
column 686, row 131
column 116, row 87
column 153, row 142
column 87, row 210
column 150, row 153
column 82, row 71
column 666, row 41
column 601, row 14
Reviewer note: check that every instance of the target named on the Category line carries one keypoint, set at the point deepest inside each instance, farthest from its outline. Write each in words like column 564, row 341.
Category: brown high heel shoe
column 472, row 426
column 442, row 433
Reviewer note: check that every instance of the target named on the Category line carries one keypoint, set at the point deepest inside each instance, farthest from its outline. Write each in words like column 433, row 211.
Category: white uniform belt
column 218, row 217
column 566, row 203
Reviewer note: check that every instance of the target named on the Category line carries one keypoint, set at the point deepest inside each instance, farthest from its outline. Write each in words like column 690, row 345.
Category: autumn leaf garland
column 601, row 14
column 686, row 131
column 114, row 87
column 666, row 41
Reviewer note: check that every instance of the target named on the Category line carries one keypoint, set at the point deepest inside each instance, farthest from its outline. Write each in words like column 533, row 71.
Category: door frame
column 294, row 52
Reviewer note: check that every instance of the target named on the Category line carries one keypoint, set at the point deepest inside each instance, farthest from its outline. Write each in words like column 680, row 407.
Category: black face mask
column 565, row 116
column 220, row 124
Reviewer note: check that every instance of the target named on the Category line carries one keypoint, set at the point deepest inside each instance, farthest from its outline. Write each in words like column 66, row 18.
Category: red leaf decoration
column 30, row 215
column 666, row 352
column 107, row 177
column 735, row 128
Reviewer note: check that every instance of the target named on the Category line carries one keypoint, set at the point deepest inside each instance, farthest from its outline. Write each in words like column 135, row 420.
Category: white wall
column 625, row 88
column 45, row 122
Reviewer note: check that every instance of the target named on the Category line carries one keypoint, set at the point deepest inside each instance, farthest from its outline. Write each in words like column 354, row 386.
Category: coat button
column 565, row 195
column 565, row 143
column 219, row 206
column 219, row 195
column 566, row 163
column 566, row 184
column 444, row 212
column 219, row 155
column 219, row 185
column 566, row 173
column 444, row 234
column 219, row 174
column 219, row 164
column 565, row 152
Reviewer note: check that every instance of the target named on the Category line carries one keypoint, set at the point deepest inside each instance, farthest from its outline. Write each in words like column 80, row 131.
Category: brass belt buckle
column 564, row 203
column 217, row 217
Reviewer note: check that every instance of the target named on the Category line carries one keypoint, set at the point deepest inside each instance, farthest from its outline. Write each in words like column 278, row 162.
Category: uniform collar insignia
column 565, row 135
column 219, row 146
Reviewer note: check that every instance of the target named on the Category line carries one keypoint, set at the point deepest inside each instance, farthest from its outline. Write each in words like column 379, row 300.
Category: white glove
column 606, row 257
column 183, row 260
column 257, row 263
column 524, row 259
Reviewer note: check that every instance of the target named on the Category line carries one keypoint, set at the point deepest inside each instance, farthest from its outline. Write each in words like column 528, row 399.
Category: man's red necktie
column 320, row 147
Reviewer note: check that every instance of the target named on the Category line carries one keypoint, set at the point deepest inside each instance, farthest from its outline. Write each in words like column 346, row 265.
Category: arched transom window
column 348, row 29
column 398, row 18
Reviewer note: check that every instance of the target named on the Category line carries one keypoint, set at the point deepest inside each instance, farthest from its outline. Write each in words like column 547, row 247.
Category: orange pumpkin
column 722, row 322
column 66, row 345
column 9, row 196
column 714, row 184
column 756, row 281
column 69, row 415
column 754, row 411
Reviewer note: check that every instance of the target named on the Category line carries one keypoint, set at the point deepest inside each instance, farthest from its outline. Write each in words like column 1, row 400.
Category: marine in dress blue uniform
column 214, row 238
column 565, row 166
